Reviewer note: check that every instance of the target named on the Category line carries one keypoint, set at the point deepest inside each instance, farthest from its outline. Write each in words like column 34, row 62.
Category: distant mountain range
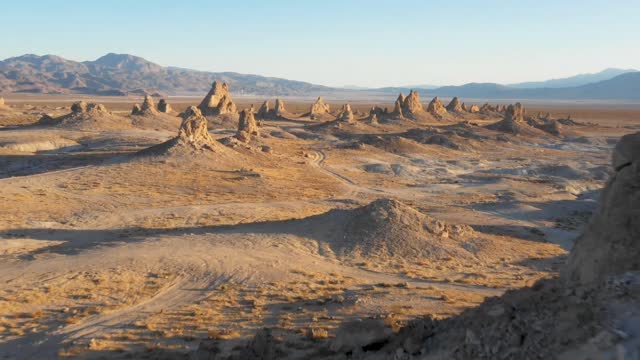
column 122, row 74
column 577, row 80
column 621, row 87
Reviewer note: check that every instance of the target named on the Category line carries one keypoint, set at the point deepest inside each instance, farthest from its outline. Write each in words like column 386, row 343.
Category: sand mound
column 193, row 137
column 218, row 101
column 550, row 126
column 389, row 228
column 513, row 122
column 455, row 106
column 87, row 116
column 592, row 313
column 436, row 107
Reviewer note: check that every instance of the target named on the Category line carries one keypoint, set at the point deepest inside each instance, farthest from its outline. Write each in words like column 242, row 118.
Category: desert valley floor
column 115, row 242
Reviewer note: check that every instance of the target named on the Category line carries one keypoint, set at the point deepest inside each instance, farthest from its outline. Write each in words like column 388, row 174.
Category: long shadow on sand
column 25, row 165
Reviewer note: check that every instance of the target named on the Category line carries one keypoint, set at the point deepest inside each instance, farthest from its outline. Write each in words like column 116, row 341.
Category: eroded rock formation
column 164, row 107
column 247, row 126
column 279, row 109
column 411, row 104
column 148, row 107
column 397, row 106
column 193, row 130
column 455, row 106
column 319, row 108
column 218, row 101
column 611, row 243
column 436, row 107
column 346, row 114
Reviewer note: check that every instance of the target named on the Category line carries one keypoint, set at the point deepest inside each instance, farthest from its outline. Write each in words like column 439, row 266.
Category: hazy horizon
column 372, row 44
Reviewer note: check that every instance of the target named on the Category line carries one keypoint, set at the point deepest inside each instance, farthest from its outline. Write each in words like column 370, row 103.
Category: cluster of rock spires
column 408, row 106
column 149, row 107
column 513, row 120
column 82, row 107
column 266, row 112
column 218, row 101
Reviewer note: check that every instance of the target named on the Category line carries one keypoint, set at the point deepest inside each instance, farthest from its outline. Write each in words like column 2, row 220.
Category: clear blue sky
column 333, row 42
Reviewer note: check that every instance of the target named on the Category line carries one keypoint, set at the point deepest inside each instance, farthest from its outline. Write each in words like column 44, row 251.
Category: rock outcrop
column 79, row 107
column 82, row 107
column 247, row 126
column 218, row 101
column 264, row 112
column 193, row 131
column 513, row 122
column 474, row 109
column 164, row 107
column 319, row 108
column 436, row 107
column 397, row 106
column 279, row 110
column 2, row 104
column 611, row 243
column 346, row 114
column 411, row 104
column 148, row 107
column 374, row 115
column 455, row 106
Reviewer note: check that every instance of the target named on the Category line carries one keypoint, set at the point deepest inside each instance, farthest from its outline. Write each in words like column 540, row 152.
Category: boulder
column 436, row 107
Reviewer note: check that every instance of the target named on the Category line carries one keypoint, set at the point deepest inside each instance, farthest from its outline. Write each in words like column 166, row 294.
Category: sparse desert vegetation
column 158, row 233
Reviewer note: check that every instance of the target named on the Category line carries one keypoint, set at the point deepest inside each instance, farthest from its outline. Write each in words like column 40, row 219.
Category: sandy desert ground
column 108, row 249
